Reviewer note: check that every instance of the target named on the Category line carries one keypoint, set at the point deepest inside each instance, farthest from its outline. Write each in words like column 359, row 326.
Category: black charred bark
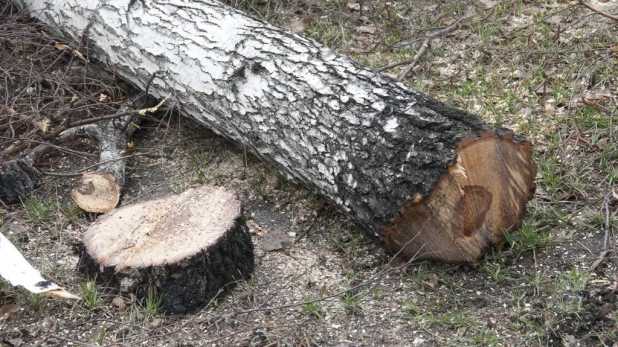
column 17, row 181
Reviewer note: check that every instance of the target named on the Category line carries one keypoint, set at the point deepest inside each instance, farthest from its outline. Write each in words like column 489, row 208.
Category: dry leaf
column 44, row 125
column 60, row 46
column 7, row 110
column 366, row 29
column 432, row 281
column 102, row 97
column 130, row 145
column 6, row 310
column 489, row 4
column 554, row 20
column 299, row 25
column 543, row 89
column 79, row 56
column 119, row 303
column 599, row 94
column 447, row 19
column 550, row 107
column 354, row 6
column 61, row 294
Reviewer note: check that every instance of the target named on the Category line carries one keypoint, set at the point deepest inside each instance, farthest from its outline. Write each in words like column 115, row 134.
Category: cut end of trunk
column 470, row 208
column 98, row 192
column 187, row 247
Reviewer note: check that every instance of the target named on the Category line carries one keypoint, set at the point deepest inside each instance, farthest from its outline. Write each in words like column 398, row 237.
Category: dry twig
column 421, row 51
column 606, row 250
column 594, row 9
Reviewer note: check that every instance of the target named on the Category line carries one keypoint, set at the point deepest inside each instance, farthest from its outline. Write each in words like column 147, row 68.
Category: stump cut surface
column 97, row 192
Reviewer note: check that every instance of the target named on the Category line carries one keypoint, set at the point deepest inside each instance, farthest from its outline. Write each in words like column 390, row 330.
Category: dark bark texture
column 17, row 181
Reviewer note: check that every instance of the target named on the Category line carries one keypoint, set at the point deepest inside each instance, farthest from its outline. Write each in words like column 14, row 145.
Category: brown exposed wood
column 186, row 248
column 471, row 207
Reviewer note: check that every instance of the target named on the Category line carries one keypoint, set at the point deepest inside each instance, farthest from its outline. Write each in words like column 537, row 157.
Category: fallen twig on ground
column 594, row 9
column 425, row 45
column 606, row 250
column 421, row 51
column 442, row 32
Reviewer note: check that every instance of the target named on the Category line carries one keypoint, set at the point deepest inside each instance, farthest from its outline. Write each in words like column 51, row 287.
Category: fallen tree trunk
column 422, row 177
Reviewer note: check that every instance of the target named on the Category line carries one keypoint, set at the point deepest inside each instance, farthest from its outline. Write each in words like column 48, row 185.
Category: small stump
column 97, row 192
column 186, row 248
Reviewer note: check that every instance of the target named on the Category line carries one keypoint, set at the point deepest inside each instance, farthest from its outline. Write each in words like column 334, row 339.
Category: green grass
column 91, row 295
column 313, row 309
column 151, row 304
column 424, row 315
column 499, row 73
column 528, row 237
column 536, row 280
column 575, row 280
column 39, row 210
column 495, row 270
column 100, row 339
column 179, row 187
column 37, row 303
column 352, row 301
column 71, row 213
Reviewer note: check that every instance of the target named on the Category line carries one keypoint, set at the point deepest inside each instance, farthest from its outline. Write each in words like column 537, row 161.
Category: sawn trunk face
column 361, row 141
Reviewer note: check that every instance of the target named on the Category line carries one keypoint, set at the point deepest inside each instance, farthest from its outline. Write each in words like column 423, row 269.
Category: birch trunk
column 387, row 156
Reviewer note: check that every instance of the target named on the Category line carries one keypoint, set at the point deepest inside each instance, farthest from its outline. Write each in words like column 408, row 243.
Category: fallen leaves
column 62, row 47
column 6, row 310
column 298, row 26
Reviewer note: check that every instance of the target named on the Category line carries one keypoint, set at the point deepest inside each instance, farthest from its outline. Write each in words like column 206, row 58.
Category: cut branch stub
column 98, row 192
column 187, row 247
column 468, row 211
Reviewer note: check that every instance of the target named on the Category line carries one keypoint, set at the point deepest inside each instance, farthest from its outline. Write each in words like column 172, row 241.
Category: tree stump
column 186, row 248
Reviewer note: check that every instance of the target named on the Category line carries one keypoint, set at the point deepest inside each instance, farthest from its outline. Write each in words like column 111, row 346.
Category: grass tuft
column 91, row 295
column 38, row 210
